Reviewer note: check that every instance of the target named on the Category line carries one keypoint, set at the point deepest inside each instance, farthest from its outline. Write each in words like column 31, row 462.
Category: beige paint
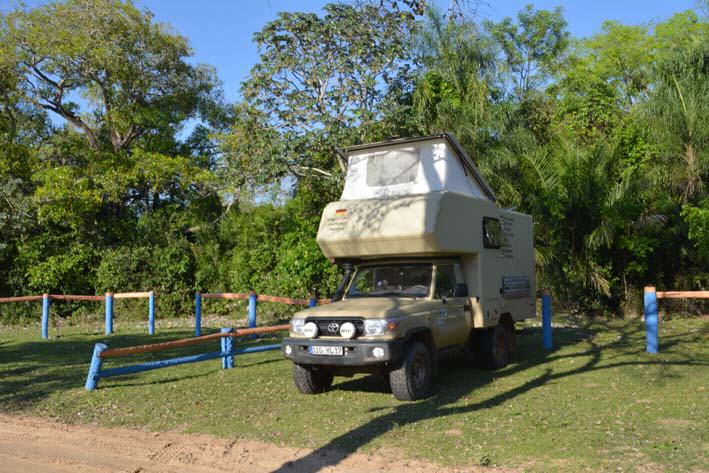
column 437, row 224
column 430, row 226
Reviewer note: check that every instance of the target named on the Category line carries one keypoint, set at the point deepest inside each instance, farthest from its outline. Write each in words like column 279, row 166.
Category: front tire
column 411, row 380
column 311, row 380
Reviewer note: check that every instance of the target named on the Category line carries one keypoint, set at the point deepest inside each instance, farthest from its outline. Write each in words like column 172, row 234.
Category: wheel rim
column 418, row 372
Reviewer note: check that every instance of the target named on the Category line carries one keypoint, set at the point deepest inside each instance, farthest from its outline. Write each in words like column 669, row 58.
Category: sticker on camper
column 337, row 222
column 506, row 223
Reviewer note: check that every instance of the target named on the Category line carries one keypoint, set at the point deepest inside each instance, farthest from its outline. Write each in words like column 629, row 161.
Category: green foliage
column 62, row 269
column 578, row 148
column 454, row 91
column 169, row 271
column 303, row 99
column 533, row 48
column 130, row 70
column 603, row 140
column 274, row 252
column 698, row 220
column 677, row 109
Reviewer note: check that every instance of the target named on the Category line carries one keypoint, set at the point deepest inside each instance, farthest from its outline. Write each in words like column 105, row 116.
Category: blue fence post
column 650, row 309
column 151, row 313
column 313, row 300
column 197, row 314
column 227, row 347
column 109, row 313
column 252, row 309
column 95, row 368
column 45, row 315
column 546, row 319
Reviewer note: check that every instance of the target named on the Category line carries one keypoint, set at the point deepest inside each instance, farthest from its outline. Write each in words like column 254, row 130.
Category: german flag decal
column 340, row 211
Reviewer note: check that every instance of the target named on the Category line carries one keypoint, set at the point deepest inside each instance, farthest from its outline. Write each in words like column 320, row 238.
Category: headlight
column 296, row 326
column 348, row 330
column 310, row 330
column 374, row 327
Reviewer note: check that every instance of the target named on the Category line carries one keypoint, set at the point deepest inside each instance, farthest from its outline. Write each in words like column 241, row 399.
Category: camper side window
column 393, row 167
column 492, row 233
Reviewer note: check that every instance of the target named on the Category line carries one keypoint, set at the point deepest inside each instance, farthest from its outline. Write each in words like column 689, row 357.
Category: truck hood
column 368, row 307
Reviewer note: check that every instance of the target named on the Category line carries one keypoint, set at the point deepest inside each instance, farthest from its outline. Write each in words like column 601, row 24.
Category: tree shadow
column 42, row 367
column 127, row 381
column 455, row 381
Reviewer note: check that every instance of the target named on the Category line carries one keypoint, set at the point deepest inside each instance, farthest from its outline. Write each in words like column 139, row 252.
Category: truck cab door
column 449, row 314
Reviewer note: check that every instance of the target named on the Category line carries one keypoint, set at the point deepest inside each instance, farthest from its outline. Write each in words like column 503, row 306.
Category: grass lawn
column 598, row 402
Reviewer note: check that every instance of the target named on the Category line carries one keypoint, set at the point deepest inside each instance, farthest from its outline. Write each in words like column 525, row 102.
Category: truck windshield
column 411, row 280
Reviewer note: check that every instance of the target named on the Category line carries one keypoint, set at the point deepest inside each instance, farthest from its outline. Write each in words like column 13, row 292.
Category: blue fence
column 650, row 306
column 252, row 299
column 226, row 353
column 107, row 299
column 546, row 320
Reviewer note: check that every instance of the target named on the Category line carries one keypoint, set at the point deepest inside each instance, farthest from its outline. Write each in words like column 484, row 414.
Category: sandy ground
column 29, row 444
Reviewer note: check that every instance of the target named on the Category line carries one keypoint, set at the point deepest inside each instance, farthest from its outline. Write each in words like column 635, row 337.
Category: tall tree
column 455, row 88
column 106, row 68
column 678, row 110
column 533, row 47
column 321, row 81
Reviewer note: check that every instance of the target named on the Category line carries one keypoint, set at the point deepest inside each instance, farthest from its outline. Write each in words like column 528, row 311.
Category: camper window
column 393, row 167
column 492, row 233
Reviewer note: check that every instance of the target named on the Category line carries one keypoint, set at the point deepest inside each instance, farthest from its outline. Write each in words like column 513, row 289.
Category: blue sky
column 220, row 31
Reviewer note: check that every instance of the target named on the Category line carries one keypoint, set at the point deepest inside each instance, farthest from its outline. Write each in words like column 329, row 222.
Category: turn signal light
column 392, row 325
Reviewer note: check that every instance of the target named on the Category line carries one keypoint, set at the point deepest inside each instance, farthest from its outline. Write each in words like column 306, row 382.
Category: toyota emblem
column 333, row 327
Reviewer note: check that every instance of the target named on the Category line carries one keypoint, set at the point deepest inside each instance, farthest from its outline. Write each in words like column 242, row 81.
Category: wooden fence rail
column 650, row 298
column 106, row 299
column 253, row 299
column 227, row 353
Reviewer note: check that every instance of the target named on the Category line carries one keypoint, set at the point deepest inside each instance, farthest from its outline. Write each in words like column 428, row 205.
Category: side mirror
column 461, row 290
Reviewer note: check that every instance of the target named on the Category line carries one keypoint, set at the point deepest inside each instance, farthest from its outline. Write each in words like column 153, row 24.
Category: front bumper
column 356, row 352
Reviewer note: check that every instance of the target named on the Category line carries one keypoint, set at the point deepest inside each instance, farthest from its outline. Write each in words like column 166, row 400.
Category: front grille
column 325, row 326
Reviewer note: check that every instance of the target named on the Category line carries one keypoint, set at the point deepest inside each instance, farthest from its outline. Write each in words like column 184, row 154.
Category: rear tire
column 311, row 380
column 512, row 336
column 411, row 380
column 494, row 347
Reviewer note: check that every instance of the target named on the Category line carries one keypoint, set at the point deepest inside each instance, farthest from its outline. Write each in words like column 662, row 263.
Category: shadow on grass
column 42, row 367
column 455, row 381
column 130, row 383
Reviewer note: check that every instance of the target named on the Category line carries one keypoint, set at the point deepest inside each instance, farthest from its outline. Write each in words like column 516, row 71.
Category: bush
column 169, row 271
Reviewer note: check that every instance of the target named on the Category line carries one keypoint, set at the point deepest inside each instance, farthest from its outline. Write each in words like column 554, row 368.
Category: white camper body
column 424, row 197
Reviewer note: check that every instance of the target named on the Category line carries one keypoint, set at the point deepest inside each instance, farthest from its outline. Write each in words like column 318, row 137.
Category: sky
column 220, row 31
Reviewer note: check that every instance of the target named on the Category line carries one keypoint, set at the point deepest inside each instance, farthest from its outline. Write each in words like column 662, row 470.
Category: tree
column 677, row 110
column 106, row 68
column 320, row 82
column 455, row 88
column 620, row 55
column 534, row 48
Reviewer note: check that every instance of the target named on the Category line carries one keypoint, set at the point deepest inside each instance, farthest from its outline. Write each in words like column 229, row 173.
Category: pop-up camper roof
column 411, row 166
column 407, row 197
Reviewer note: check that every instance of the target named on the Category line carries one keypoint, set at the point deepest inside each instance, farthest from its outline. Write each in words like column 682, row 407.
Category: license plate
column 327, row 350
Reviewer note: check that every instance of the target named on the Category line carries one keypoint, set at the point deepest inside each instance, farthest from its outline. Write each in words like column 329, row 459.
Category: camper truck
column 430, row 264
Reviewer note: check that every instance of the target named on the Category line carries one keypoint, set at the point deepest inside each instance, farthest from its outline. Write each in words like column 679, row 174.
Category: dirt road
column 29, row 444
